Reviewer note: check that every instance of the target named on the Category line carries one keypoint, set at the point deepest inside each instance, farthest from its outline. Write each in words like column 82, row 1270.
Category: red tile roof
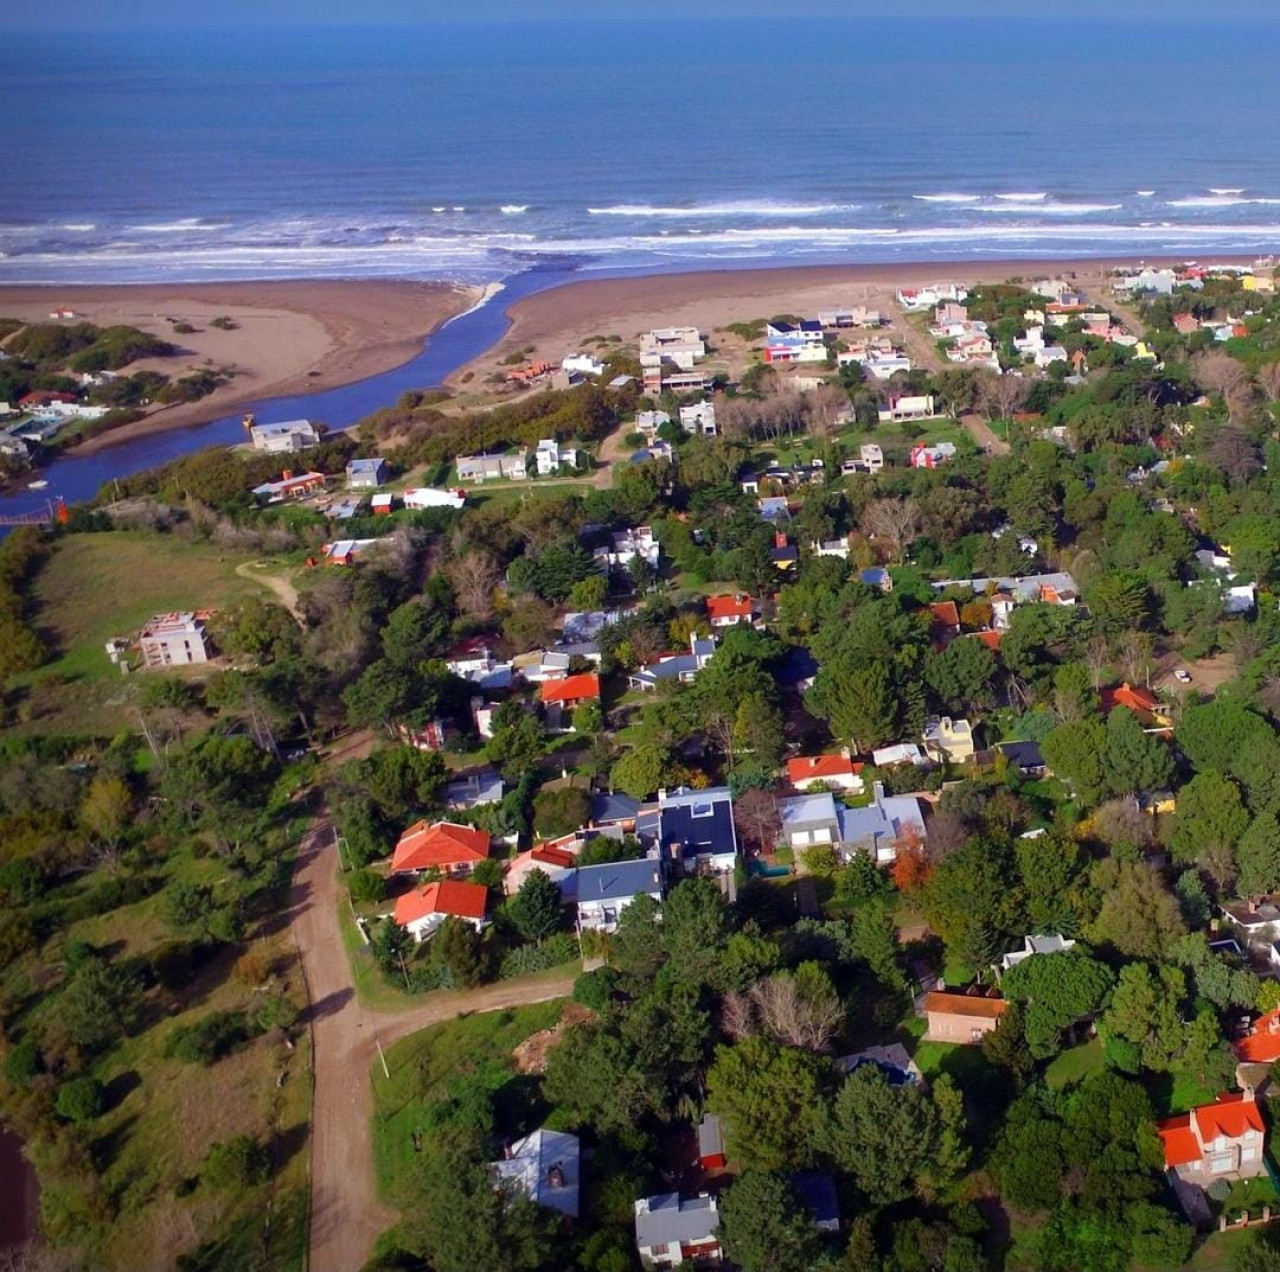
column 946, row 613
column 965, row 1005
column 441, row 844
column 548, row 856
column 1231, row 1115
column 572, row 688
column 1262, row 1046
column 807, row 768
column 990, row 639
column 722, row 608
column 449, row 896
column 1126, row 695
column 1180, row 1144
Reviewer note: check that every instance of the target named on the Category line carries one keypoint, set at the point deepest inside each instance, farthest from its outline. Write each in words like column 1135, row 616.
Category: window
column 658, row 1251
column 975, row 1035
column 1222, row 1163
column 703, row 810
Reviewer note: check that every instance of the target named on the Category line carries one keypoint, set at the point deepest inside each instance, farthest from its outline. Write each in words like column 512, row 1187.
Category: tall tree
column 764, row 1227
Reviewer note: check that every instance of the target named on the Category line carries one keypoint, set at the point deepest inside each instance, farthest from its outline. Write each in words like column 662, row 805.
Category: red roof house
column 571, row 689
column 725, row 611
column 42, row 397
column 832, row 770
column 1262, row 1044
column 424, row 909
column 440, row 846
column 1136, row 698
column 1215, row 1141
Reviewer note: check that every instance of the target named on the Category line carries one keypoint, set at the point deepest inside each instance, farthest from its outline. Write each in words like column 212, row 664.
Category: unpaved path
column 277, row 583
column 981, row 433
column 346, row 1215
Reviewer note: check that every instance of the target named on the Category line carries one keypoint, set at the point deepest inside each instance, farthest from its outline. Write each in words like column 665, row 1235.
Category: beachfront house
column 174, row 640
column 291, row 435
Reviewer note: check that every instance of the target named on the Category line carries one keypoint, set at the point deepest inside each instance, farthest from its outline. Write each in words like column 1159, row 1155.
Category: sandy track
column 346, row 1215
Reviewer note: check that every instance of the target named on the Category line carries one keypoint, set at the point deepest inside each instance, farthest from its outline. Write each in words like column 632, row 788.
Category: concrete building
column 174, row 640
column 291, row 435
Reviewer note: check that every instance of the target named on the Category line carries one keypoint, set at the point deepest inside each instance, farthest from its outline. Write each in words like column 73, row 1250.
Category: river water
column 78, row 477
column 19, row 1193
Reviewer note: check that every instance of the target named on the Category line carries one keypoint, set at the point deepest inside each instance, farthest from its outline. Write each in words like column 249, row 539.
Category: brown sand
column 291, row 337
column 556, row 322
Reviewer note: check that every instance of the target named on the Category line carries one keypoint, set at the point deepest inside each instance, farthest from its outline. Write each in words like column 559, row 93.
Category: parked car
column 1182, row 676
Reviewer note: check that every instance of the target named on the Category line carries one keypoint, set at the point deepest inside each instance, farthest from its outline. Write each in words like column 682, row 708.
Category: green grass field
column 1074, row 1065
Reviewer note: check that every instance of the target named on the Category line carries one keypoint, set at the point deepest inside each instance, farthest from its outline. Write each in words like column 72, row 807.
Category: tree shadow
column 121, row 1087
column 106, row 1148
column 329, row 1005
column 288, row 1144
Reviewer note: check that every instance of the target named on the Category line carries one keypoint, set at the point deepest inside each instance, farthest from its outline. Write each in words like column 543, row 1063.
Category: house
column 345, row 551
column 916, row 299
column 944, row 621
column 876, row 576
column 729, row 611
column 440, row 845
column 1258, row 926
column 649, row 422
column 892, row 1060
column 1006, row 592
column 835, row 772
column 787, row 343
column 926, row 456
column 549, row 456
column 291, row 435
column 1055, row 944
column 671, row 1230
column 872, row 456
column 682, row 345
column 366, row 474
column 885, row 365
column 473, row 660
column 290, row 486
column 817, row 1192
column 1222, row 1140
column 424, row 909
column 961, row 1017
column 1186, row 324
column 809, row 820
column 880, row 827
column 558, row 860
column 774, row 508
column 570, row 691
column 913, row 407
column 421, row 497
column 699, row 419
column 605, row 891
column 474, row 790
column 582, row 364
column 528, row 374
column 949, row 739
column 626, row 546
column 1049, row 354
column 614, row 809
column 1141, row 701
column 832, row 548
column 1261, row 1045
column 680, row 668
column 491, row 467
column 899, row 753
column 174, row 640
column 544, row 1167
column 381, row 505
column 711, row 1155
column 1025, row 756
column 783, row 554
column 696, row 828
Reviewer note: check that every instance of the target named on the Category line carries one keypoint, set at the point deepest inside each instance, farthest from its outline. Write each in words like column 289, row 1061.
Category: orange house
column 446, row 846
column 571, row 690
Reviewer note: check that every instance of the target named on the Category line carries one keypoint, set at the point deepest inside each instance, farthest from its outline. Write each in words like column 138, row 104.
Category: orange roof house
column 1222, row 1140
column 725, row 611
column 1126, row 695
column 961, row 1017
column 440, row 846
column 945, row 613
column 991, row 639
column 834, row 770
column 424, row 909
column 571, row 689
column 1262, row 1044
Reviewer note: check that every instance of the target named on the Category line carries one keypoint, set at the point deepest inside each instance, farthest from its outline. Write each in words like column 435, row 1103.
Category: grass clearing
column 1074, row 1065
column 428, row 1066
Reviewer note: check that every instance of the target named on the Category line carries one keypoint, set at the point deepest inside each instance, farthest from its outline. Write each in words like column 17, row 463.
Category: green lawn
column 427, row 1067
column 1074, row 1065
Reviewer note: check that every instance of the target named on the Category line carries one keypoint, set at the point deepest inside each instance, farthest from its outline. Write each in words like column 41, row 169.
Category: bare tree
column 1269, row 696
column 1097, row 657
column 755, row 813
column 823, row 408
column 794, row 1017
column 1000, row 395
column 737, row 1015
column 893, row 522
column 474, row 577
column 1269, row 380
column 1235, row 453
column 1135, row 657
column 1221, row 373
column 1121, row 822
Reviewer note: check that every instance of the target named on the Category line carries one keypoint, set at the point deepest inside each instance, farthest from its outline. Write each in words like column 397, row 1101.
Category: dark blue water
column 472, row 151
column 75, row 478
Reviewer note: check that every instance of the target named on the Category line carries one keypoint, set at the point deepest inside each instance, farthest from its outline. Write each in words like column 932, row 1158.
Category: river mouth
column 19, row 1194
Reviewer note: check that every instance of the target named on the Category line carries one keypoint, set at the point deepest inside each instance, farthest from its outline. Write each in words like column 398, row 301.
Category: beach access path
column 346, row 1214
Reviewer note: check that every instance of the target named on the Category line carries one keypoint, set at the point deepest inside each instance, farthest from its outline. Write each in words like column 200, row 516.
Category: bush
column 81, row 1099
column 527, row 959
column 595, row 989
column 24, row 1062
column 367, row 886
column 240, row 1162
column 21, row 881
column 208, row 1040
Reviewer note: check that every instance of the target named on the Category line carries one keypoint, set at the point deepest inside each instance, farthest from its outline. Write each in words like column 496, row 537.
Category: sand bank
column 289, row 337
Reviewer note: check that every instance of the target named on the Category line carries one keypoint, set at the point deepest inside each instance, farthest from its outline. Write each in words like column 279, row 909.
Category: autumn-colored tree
column 911, row 868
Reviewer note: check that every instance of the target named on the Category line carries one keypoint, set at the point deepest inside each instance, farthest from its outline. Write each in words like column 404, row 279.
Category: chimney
column 779, row 539
column 555, row 1176
column 287, row 475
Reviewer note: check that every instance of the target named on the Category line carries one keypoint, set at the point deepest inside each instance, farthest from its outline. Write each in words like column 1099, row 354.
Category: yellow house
column 1258, row 283
column 1144, row 350
column 1160, row 803
column 949, row 739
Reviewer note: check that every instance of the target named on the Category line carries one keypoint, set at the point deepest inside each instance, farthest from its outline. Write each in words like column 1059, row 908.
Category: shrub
column 527, row 959
column 239, row 1162
column 81, row 1099
column 595, row 989
column 208, row 1040
column 24, row 1062
column 367, row 886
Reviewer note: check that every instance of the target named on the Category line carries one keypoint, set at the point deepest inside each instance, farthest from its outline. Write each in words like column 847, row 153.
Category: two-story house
column 1222, row 1140
column 605, row 891
column 696, row 828
column 671, row 1230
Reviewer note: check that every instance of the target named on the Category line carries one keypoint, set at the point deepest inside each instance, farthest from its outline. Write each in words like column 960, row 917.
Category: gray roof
column 671, row 1220
column 614, row 807
column 710, row 1137
column 882, row 821
column 365, row 465
column 806, row 810
column 531, row 1162
column 619, row 879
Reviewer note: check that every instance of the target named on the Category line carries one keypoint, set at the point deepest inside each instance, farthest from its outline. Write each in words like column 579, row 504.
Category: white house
column 1055, row 944
column 424, row 497
column 912, row 407
column 699, row 419
column 550, row 455
column 681, row 345
column 490, row 467
column 583, row 364
column 671, row 1230
column 545, row 1167
column 291, row 435
column 424, row 909
column 627, row 545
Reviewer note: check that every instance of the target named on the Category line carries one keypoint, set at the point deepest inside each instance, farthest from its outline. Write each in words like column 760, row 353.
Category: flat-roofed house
column 289, row 435
column 174, row 640
column 696, row 828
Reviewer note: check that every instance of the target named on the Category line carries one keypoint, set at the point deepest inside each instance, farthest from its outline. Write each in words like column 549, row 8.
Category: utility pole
column 382, row 1055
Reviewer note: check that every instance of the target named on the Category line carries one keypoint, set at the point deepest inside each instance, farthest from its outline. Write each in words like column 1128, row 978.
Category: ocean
column 474, row 152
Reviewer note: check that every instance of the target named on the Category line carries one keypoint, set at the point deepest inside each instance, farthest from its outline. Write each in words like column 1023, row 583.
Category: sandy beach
column 557, row 322
column 289, row 337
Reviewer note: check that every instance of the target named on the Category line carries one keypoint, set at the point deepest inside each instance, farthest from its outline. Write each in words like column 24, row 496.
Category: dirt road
column 981, row 433
column 346, row 1216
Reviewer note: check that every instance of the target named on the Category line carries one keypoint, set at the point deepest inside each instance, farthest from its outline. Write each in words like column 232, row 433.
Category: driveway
column 346, row 1216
